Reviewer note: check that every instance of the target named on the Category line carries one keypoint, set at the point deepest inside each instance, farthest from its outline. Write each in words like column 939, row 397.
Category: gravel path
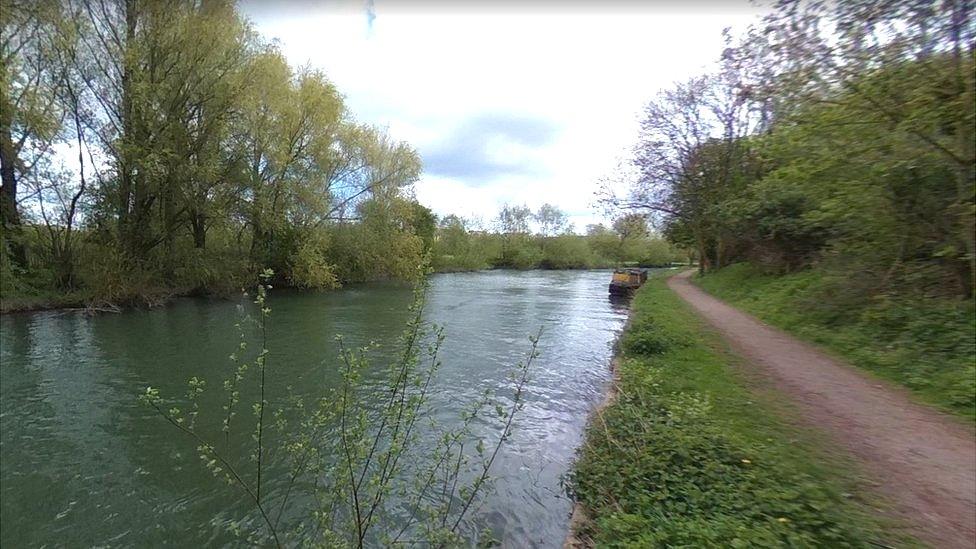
column 922, row 461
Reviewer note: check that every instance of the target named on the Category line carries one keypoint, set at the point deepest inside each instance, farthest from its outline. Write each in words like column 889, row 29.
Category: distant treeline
column 553, row 245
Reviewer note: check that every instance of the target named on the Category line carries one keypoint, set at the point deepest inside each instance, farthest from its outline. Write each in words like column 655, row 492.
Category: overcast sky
column 508, row 102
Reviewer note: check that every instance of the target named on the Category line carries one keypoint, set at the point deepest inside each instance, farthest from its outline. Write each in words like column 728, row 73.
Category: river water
column 84, row 464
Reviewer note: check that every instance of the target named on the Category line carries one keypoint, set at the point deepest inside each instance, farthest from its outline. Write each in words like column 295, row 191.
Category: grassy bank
column 924, row 343
column 689, row 455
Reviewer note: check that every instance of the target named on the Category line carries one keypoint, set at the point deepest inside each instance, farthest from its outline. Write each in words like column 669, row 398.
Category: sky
column 509, row 102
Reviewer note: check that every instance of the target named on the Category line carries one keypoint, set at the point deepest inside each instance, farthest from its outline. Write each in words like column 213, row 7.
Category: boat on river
column 626, row 281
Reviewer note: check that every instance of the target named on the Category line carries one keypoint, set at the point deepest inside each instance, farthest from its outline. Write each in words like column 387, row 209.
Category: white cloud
column 422, row 74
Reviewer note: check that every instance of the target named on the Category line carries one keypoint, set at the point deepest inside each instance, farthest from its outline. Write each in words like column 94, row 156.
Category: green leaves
column 223, row 157
column 150, row 397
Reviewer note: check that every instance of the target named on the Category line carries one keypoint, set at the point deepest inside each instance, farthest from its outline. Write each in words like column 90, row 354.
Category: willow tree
column 215, row 76
column 304, row 162
column 162, row 78
column 551, row 220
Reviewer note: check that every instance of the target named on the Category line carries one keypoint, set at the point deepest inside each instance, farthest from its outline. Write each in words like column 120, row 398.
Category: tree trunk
column 125, row 160
column 9, row 216
column 198, row 222
column 962, row 52
column 719, row 253
column 8, row 177
column 702, row 254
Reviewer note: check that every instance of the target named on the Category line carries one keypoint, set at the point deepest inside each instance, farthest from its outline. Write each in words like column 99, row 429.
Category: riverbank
column 924, row 343
column 694, row 452
column 46, row 301
column 86, row 300
column 28, row 303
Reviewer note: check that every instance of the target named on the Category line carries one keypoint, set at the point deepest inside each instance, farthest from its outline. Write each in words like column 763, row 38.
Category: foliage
column 567, row 251
column 924, row 343
column 388, row 241
column 685, row 455
column 835, row 145
column 631, row 242
column 514, row 219
column 310, row 269
column 551, row 220
column 201, row 156
column 831, row 134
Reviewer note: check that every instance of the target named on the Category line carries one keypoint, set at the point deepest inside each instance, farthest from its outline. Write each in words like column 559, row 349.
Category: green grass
column 925, row 344
column 692, row 454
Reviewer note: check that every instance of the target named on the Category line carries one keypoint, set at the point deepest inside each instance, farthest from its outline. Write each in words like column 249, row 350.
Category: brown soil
column 920, row 460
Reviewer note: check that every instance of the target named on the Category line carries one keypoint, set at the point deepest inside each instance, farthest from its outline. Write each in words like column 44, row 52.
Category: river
column 84, row 464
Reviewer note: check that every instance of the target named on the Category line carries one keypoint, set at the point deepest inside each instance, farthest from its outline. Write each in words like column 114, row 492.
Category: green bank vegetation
column 835, row 148
column 689, row 455
column 552, row 244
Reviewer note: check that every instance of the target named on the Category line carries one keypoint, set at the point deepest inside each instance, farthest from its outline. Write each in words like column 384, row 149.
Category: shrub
column 309, row 269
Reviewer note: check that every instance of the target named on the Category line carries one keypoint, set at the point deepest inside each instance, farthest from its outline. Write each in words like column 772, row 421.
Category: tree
column 161, row 79
column 218, row 81
column 286, row 123
column 30, row 113
column 58, row 186
column 452, row 238
column 551, row 220
column 517, row 251
column 514, row 220
column 631, row 226
column 690, row 149
column 906, row 68
column 423, row 222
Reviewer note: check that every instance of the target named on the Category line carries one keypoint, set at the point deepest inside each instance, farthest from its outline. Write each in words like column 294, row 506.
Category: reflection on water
column 84, row 464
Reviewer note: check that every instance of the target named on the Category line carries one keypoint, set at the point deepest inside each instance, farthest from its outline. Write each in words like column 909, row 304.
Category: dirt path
column 921, row 460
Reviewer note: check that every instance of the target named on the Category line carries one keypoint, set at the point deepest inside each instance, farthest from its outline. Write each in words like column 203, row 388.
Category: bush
column 309, row 269
column 645, row 339
column 567, row 251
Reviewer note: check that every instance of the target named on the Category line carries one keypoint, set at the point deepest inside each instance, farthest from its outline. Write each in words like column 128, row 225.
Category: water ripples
column 84, row 464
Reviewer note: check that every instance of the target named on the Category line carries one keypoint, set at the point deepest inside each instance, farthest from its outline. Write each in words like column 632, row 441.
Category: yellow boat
column 626, row 281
